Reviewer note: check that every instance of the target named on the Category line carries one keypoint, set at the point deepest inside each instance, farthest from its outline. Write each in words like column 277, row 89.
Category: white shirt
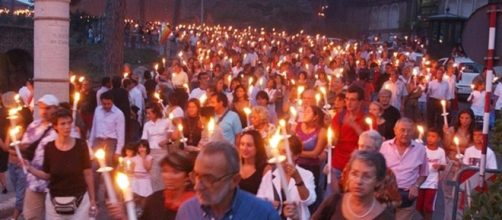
column 271, row 180
column 27, row 96
column 452, row 84
column 437, row 156
column 179, row 79
column 438, row 90
column 99, row 93
column 177, row 112
column 108, row 124
column 498, row 92
column 136, row 98
column 398, row 90
column 472, row 157
column 142, row 89
column 478, row 102
column 197, row 93
column 156, row 132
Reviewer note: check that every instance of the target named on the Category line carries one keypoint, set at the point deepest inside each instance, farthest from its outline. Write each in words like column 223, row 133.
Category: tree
column 114, row 37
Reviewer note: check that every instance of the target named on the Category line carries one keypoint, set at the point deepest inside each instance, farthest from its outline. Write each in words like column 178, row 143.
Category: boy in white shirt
column 472, row 156
column 436, row 158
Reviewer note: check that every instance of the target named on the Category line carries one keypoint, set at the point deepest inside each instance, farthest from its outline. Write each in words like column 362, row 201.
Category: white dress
column 141, row 182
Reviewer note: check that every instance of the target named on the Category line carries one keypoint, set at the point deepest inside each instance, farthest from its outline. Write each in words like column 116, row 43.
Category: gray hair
column 374, row 136
column 403, row 120
column 227, row 149
column 385, row 92
column 372, row 158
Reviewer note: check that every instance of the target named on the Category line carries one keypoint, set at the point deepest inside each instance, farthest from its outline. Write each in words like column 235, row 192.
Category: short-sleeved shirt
column 347, row 139
column 407, row 167
column 230, row 126
column 66, row 168
column 472, row 157
column 244, row 206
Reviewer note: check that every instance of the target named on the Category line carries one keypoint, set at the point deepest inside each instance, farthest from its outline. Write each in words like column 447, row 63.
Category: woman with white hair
column 258, row 120
column 371, row 140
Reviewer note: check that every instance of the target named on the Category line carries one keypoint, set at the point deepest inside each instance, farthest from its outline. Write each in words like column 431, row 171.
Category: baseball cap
column 49, row 100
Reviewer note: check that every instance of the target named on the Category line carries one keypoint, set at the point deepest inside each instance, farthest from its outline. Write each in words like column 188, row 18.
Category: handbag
column 66, row 205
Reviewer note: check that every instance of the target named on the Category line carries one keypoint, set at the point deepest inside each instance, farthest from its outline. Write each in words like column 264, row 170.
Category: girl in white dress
column 141, row 182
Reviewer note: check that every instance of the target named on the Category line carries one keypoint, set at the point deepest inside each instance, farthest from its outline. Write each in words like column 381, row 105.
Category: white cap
column 49, row 100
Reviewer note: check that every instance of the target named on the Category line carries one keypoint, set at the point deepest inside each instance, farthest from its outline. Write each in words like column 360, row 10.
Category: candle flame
column 443, row 103
column 100, row 154
column 420, row 129
column 122, row 180
column 180, row 127
column 317, row 97
column 293, row 111
column 368, row 121
column 72, row 79
column 323, row 90
column 76, row 97
column 330, row 135
column 300, row 90
column 203, row 98
column 81, row 79
column 211, row 125
column 282, row 123
column 247, row 110
column 14, row 131
column 455, row 140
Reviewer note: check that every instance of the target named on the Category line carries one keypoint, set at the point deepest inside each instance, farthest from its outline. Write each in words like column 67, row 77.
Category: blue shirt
column 244, row 206
column 230, row 125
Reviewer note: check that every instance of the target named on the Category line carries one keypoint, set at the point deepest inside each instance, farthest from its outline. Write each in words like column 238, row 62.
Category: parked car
column 468, row 71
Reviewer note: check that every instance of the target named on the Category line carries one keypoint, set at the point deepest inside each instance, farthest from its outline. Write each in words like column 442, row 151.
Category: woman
column 67, row 167
column 157, row 131
column 240, row 101
column 384, row 127
column 262, row 99
column 367, row 171
column 388, row 195
column 192, row 128
column 253, row 160
column 259, row 121
column 301, row 184
column 164, row 204
column 463, row 130
column 313, row 137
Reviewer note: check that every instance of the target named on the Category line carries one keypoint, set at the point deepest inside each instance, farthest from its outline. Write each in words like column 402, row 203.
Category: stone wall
column 16, row 37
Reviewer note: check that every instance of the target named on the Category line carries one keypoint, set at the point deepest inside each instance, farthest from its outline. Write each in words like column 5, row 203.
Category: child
column 473, row 153
column 477, row 100
column 141, row 182
column 436, row 157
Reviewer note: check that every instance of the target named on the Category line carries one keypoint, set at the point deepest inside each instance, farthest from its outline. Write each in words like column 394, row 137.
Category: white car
column 468, row 71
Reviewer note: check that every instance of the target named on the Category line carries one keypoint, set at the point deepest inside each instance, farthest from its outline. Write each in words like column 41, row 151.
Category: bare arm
column 36, row 172
column 89, row 180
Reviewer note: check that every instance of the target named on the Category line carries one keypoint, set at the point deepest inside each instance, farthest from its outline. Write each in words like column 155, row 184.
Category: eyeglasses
column 208, row 180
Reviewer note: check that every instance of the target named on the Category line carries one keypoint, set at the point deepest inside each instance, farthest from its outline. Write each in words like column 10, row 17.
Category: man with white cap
column 37, row 135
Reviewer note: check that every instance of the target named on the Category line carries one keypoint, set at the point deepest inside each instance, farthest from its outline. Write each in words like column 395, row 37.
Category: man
column 37, row 135
column 106, row 84
column 216, row 177
column 227, row 120
column 149, row 85
column 178, row 77
column 135, row 97
column 200, row 91
column 437, row 90
column 390, row 113
column 408, row 160
column 120, row 97
column 398, row 89
column 87, row 105
column 348, row 125
column 108, row 128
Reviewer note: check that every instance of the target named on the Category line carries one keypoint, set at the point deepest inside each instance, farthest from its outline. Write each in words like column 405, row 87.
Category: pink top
column 407, row 167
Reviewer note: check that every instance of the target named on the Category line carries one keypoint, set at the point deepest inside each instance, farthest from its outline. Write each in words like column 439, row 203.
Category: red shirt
column 347, row 138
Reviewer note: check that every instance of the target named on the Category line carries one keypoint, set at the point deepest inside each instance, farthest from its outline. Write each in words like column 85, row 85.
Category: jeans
column 18, row 179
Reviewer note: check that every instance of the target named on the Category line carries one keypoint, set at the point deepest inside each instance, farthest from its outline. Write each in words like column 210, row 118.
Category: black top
column 386, row 130
column 391, row 115
column 66, row 168
column 121, row 100
column 193, row 131
column 331, row 208
column 155, row 210
column 252, row 183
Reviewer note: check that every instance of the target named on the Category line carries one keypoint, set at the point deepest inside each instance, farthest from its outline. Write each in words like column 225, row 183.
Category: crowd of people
column 251, row 124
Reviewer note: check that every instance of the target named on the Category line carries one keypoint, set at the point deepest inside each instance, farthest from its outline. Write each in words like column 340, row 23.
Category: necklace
column 354, row 213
